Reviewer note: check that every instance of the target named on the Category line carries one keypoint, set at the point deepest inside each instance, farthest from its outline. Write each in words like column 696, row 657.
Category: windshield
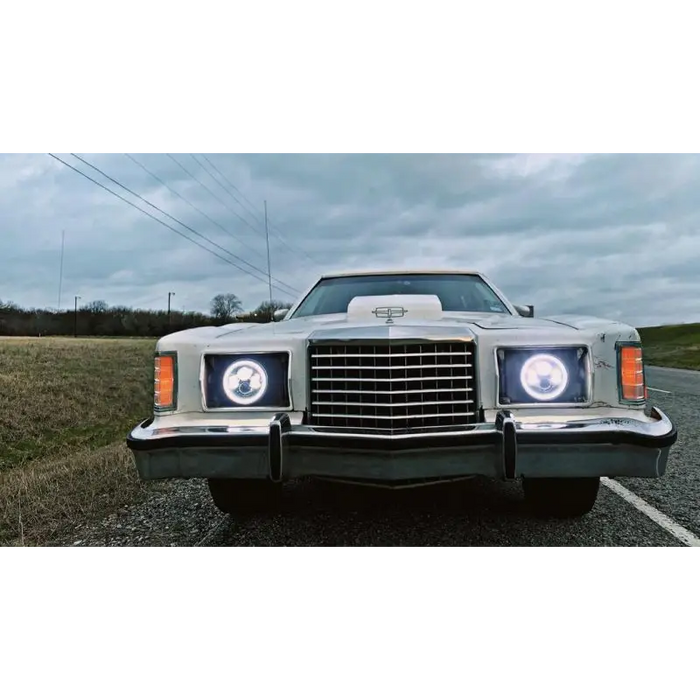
column 456, row 292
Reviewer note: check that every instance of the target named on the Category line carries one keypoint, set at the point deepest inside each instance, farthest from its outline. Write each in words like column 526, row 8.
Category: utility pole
column 60, row 274
column 170, row 294
column 76, row 317
column 267, row 237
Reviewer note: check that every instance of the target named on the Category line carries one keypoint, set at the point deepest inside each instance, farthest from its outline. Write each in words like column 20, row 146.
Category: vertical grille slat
column 392, row 387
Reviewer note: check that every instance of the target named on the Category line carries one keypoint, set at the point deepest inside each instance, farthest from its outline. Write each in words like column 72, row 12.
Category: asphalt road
column 477, row 513
column 677, row 494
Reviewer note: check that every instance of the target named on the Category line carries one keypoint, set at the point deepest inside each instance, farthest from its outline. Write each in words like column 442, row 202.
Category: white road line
column 678, row 531
column 661, row 391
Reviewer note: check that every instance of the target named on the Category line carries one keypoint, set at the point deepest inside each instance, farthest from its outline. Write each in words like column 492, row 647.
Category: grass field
column 67, row 406
column 672, row 346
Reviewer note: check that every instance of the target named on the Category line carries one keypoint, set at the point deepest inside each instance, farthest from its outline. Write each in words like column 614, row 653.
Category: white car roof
column 403, row 271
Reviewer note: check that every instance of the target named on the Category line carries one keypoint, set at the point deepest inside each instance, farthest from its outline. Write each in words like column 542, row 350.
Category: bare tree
column 96, row 307
column 267, row 309
column 224, row 307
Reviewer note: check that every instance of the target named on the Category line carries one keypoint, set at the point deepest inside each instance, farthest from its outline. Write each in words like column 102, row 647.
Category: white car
column 400, row 379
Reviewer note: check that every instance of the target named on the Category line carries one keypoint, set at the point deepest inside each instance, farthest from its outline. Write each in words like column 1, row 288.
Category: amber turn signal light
column 164, row 382
column 632, row 373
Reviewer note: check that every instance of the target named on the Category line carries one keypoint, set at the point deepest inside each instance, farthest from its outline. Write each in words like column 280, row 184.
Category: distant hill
column 672, row 346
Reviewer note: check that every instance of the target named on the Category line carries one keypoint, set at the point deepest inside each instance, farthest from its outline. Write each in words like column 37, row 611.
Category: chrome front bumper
column 504, row 449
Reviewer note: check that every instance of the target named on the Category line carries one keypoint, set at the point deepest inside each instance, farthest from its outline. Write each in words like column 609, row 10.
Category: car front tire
column 561, row 498
column 245, row 496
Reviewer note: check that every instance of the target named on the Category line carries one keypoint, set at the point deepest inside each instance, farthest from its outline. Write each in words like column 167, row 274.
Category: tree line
column 97, row 318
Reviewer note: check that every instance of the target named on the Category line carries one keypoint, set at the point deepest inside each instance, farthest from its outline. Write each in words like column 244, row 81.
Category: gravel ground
column 177, row 514
column 478, row 512
column 677, row 494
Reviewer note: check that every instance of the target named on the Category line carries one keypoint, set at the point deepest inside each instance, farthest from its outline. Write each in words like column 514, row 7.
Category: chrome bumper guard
column 504, row 449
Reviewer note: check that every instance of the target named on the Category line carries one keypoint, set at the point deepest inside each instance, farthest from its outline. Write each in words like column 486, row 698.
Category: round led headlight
column 245, row 382
column 544, row 377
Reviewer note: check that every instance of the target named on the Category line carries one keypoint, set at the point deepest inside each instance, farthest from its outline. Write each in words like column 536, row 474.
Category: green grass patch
column 59, row 395
column 67, row 406
column 672, row 346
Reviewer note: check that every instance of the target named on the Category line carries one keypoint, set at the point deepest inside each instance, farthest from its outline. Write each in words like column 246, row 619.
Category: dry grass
column 67, row 406
column 48, row 498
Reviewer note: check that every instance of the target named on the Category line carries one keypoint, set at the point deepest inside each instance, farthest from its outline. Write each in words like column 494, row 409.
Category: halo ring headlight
column 245, row 382
column 544, row 377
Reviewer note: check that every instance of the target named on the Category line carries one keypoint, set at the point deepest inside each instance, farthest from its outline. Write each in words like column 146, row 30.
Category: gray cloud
column 611, row 235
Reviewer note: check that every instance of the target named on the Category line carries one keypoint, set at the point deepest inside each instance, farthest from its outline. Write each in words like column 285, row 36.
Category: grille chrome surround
column 392, row 387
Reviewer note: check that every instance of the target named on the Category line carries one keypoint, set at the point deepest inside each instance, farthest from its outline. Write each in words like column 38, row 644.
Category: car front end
column 403, row 401
column 401, row 409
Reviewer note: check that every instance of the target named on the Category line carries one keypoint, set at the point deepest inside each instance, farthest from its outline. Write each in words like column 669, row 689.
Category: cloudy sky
column 608, row 235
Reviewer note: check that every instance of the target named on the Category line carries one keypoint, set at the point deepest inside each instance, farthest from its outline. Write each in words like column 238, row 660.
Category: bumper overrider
column 504, row 449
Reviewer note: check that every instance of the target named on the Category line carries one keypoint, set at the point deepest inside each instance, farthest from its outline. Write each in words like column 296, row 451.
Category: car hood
column 338, row 326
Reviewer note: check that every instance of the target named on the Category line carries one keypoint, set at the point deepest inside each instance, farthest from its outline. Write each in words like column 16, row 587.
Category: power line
column 223, row 187
column 189, row 228
column 228, row 181
column 135, row 194
column 163, row 223
column 187, row 201
column 253, row 211
column 267, row 230
column 155, row 218
column 116, row 182
column 268, row 225
column 276, row 232
column 218, row 199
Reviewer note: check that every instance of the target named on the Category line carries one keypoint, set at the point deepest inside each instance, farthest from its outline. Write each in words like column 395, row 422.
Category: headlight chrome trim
column 550, row 348
column 252, row 355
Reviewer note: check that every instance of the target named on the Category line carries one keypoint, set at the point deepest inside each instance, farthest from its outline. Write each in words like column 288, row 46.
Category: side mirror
column 525, row 311
column 280, row 315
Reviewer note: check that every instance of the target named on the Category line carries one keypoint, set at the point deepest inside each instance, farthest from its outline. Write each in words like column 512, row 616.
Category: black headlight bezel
column 276, row 365
column 576, row 358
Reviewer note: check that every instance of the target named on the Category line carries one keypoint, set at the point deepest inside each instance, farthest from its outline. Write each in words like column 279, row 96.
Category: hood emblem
column 390, row 312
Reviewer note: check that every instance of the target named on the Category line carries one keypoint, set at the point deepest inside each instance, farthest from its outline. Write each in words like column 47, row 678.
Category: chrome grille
column 392, row 387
